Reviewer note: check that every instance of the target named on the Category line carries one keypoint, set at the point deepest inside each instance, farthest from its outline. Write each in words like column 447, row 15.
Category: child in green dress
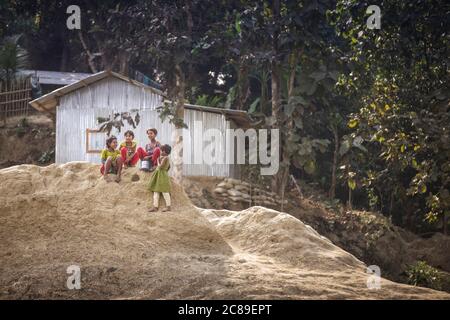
column 160, row 181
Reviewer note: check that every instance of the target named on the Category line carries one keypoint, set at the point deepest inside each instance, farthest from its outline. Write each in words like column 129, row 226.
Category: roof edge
column 52, row 97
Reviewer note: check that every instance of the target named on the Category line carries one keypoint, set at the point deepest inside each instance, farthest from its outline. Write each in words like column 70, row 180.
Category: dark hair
column 129, row 132
column 110, row 140
column 166, row 148
column 153, row 130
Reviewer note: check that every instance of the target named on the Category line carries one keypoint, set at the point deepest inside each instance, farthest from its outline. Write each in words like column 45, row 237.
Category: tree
column 12, row 58
column 399, row 80
column 293, row 38
column 173, row 34
column 106, row 35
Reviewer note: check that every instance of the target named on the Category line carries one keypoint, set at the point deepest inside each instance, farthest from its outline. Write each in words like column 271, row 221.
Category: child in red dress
column 153, row 148
column 129, row 151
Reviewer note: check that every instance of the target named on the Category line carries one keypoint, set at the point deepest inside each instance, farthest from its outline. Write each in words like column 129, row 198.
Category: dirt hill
column 369, row 236
column 61, row 215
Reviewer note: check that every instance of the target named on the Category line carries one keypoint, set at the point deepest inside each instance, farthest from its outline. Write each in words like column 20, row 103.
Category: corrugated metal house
column 78, row 106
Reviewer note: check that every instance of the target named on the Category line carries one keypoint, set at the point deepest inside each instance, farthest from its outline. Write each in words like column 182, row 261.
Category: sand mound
column 61, row 215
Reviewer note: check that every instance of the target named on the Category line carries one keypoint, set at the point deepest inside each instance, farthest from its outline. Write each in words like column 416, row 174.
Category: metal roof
column 55, row 77
column 238, row 116
column 49, row 101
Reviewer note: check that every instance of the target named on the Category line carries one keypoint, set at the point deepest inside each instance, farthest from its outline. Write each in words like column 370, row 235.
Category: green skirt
column 159, row 181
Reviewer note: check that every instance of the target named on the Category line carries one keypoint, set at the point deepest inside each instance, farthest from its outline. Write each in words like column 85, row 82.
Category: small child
column 129, row 151
column 160, row 181
column 111, row 160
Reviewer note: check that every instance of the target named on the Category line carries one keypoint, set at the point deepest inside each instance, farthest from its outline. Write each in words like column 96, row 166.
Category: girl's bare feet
column 106, row 177
column 154, row 209
column 118, row 178
column 166, row 209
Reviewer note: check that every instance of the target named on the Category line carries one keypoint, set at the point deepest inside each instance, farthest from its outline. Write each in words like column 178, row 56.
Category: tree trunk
column 89, row 54
column 283, row 184
column 445, row 222
column 177, row 151
column 276, row 94
column 332, row 192
column 264, row 93
column 391, row 204
column 293, row 59
column 349, row 203
column 124, row 64
column 64, row 57
column 243, row 84
column 276, row 106
column 190, row 26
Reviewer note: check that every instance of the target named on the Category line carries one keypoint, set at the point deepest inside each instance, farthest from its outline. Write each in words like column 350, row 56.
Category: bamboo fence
column 14, row 98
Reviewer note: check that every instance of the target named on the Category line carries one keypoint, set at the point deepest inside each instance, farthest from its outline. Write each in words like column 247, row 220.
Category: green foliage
column 305, row 150
column 205, row 100
column 20, row 131
column 422, row 274
column 22, row 127
column 302, row 52
column 12, row 58
column 230, row 98
column 47, row 157
column 117, row 121
column 168, row 111
column 23, row 123
column 402, row 97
